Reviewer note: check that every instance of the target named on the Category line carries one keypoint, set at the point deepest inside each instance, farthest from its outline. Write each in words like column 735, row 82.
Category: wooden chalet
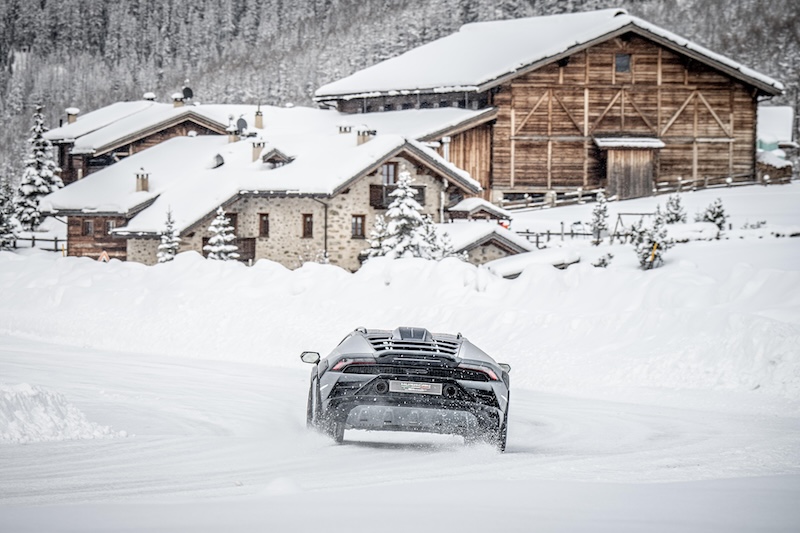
column 582, row 101
column 103, row 137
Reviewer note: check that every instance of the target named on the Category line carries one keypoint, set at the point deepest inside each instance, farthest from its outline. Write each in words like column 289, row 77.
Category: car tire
column 310, row 418
column 336, row 431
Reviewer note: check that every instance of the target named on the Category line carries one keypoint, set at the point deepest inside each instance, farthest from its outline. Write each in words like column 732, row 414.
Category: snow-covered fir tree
column 40, row 176
column 714, row 213
column 220, row 246
column 674, row 212
column 599, row 218
column 651, row 242
column 405, row 231
column 170, row 241
column 8, row 222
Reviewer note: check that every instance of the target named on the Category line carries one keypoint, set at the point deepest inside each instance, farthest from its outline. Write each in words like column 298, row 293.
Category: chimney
column 233, row 133
column 364, row 135
column 142, row 181
column 72, row 114
column 344, row 127
column 150, row 97
column 177, row 100
column 259, row 118
column 258, row 146
column 446, row 148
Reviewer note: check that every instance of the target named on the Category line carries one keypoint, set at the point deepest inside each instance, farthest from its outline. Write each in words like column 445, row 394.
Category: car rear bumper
column 413, row 412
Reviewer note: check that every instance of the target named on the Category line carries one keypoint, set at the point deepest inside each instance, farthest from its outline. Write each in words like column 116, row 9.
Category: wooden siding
column 93, row 245
column 548, row 118
column 472, row 151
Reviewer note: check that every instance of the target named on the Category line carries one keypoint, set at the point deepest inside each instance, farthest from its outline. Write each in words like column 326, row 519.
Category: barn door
column 630, row 173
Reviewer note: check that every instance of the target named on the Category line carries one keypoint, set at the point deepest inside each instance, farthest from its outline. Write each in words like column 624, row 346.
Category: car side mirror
column 311, row 358
column 506, row 367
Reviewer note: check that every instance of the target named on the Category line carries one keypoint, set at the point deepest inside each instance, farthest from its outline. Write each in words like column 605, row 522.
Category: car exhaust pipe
column 381, row 387
column 449, row 391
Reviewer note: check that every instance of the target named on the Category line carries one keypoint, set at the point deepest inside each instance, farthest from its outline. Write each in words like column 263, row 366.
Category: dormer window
column 276, row 159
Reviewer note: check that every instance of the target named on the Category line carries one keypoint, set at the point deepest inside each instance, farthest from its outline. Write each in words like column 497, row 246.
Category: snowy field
column 171, row 398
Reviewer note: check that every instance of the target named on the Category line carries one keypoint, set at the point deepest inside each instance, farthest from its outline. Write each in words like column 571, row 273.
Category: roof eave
column 486, row 116
column 644, row 32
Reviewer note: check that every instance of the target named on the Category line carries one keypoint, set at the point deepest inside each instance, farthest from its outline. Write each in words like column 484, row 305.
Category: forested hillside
column 88, row 53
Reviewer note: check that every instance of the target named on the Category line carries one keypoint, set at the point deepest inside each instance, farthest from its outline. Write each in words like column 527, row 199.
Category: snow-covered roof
column 97, row 119
column 513, row 265
column 472, row 205
column 772, row 159
column 465, row 235
column 184, row 175
column 123, row 122
column 605, row 143
column 484, row 54
column 775, row 122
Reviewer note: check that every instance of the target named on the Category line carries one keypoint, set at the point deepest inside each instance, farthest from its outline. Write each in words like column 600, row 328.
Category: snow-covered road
column 226, row 446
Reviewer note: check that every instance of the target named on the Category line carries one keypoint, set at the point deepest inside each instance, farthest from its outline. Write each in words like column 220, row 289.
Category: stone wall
column 144, row 250
column 485, row 253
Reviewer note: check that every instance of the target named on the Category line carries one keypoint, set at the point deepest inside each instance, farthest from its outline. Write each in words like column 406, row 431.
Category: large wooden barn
column 582, row 101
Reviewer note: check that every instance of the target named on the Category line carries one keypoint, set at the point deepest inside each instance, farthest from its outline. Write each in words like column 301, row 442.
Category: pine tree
column 714, row 213
column 651, row 242
column 170, row 241
column 8, row 222
column 599, row 218
column 674, row 210
column 40, row 176
column 405, row 231
column 220, row 246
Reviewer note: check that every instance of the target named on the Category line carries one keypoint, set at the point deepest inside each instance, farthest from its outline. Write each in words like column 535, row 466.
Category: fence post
column 562, row 231
column 33, row 241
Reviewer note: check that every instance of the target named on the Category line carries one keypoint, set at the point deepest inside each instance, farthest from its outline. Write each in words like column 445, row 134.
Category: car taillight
column 347, row 361
column 486, row 370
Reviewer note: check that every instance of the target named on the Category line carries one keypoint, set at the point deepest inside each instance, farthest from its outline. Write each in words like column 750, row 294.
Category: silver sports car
column 409, row 379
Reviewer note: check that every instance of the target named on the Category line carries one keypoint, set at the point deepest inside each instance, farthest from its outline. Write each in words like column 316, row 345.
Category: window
column 622, row 63
column 444, row 103
column 308, row 226
column 110, row 224
column 388, row 107
column 233, row 218
column 88, row 227
column 408, row 105
column 357, row 226
column 424, row 105
column 389, row 173
column 263, row 225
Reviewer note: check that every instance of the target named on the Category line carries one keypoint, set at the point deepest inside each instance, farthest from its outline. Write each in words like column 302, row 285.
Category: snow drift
column 699, row 322
column 34, row 414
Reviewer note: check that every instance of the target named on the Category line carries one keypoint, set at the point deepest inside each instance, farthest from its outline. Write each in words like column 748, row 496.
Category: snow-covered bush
column 674, row 212
column 405, row 231
column 220, row 246
column 714, row 213
column 599, row 218
column 651, row 242
column 603, row 261
column 170, row 241
column 40, row 176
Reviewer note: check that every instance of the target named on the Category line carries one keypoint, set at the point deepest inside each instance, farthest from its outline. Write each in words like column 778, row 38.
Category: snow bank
column 33, row 414
column 718, row 315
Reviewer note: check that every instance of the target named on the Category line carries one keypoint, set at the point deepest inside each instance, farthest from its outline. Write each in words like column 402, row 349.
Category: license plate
column 415, row 387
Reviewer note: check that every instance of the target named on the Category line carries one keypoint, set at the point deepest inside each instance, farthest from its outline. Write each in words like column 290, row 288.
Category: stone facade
column 285, row 243
column 144, row 250
column 485, row 253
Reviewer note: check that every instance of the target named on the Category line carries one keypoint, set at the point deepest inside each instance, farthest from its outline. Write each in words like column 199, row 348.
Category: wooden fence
column 33, row 240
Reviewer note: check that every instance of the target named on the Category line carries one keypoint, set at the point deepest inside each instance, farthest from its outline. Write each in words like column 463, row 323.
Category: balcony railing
column 379, row 195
